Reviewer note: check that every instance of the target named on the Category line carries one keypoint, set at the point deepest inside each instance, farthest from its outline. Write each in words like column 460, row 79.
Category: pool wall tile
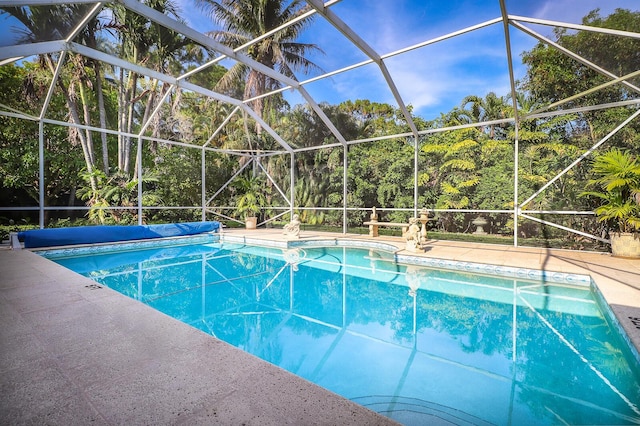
column 503, row 271
column 614, row 320
column 455, row 265
column 135, row 245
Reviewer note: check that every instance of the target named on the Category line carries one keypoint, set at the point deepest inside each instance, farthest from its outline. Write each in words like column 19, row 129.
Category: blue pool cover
column 53, row 237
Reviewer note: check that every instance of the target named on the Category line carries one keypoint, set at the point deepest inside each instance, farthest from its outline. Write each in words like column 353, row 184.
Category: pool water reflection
column 413, row 343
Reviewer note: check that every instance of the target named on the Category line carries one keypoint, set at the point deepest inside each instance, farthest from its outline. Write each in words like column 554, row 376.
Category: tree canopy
column 469, row 167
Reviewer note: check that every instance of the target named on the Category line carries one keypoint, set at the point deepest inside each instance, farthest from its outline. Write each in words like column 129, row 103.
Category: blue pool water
column 416, row 344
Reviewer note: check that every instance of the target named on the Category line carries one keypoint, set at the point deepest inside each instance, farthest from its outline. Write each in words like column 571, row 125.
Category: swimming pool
column 404, row 340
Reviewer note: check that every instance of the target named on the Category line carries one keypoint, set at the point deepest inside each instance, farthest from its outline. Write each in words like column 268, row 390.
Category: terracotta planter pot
column 625, row 245
column 251, row 222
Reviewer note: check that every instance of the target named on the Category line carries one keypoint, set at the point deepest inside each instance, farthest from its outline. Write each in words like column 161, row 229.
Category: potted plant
column 617, row 185
column 251, row 199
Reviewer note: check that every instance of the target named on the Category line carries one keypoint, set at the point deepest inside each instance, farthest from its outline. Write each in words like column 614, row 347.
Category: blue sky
column 432, row 79
column 435, row 78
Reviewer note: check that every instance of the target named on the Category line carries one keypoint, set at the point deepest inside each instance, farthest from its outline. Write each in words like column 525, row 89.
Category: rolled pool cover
column 53, row 237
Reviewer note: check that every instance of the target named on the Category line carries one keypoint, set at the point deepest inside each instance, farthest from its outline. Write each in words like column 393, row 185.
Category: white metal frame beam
column 354, row 38
column 580, row 158
column 577, row 27
column 571, row 54
column 31, row 49
column 206, row 41
column 11, row 54
column 516, row 141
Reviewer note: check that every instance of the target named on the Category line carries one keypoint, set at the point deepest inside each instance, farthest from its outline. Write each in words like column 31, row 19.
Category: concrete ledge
column 74, row 352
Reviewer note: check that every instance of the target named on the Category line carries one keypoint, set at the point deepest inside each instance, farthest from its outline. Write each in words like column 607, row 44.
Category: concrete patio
column 75, row 353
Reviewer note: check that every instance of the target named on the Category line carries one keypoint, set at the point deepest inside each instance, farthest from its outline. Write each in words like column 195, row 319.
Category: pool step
column 414, row 411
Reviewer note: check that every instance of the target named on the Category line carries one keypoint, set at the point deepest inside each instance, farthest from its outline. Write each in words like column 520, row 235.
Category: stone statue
column 292, row 229
column 374, row 215
column 413, row 235
column 293, row 257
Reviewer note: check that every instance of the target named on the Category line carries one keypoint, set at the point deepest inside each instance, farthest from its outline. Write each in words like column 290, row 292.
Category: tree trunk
column 121, row 92
column 87, row 120
column 130, row 113
column 103, row 117
column 75, row 118
column 147, row 111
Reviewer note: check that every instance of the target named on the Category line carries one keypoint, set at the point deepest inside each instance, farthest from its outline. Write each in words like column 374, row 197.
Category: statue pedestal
column 414, row 246
column 480, row 222
column 424, row 218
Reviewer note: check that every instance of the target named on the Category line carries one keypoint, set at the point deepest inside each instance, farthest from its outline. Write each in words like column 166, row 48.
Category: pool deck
column 73, row 353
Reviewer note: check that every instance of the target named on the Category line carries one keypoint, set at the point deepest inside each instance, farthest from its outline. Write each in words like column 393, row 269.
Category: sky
column 434, row 78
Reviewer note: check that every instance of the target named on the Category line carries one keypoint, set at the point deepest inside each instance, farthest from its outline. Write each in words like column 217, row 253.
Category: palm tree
column 42, row 23
column 133, row 46
column 491, row 107
column 244, row 20
column 160, row 49
column 89, row 37
column 526, row 104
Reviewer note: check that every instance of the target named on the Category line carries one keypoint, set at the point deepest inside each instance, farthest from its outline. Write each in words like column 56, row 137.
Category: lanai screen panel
column 419, row 58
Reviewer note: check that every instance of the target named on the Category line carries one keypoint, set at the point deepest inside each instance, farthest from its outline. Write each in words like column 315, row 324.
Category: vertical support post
column 43, row 111
column 292, row 184
column 512, row 83
column 204, row 287
column 516, row 207
column 41, row 172
column 345, row 156
column 415, row 177
column 139, row 156
column 202, row 189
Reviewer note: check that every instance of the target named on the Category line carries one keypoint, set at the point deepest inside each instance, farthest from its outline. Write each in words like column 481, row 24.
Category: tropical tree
column 553, row 76
column 489, row 108
column 529, row 127
column 19, row 171
column 450, row 167
column 318, row 173
column 252, row 197
column 116, row 190
column 617, row 185
column 379, row 173
column 160, row 49
column 55, row 23
column 90, row 38
column 244, row 20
